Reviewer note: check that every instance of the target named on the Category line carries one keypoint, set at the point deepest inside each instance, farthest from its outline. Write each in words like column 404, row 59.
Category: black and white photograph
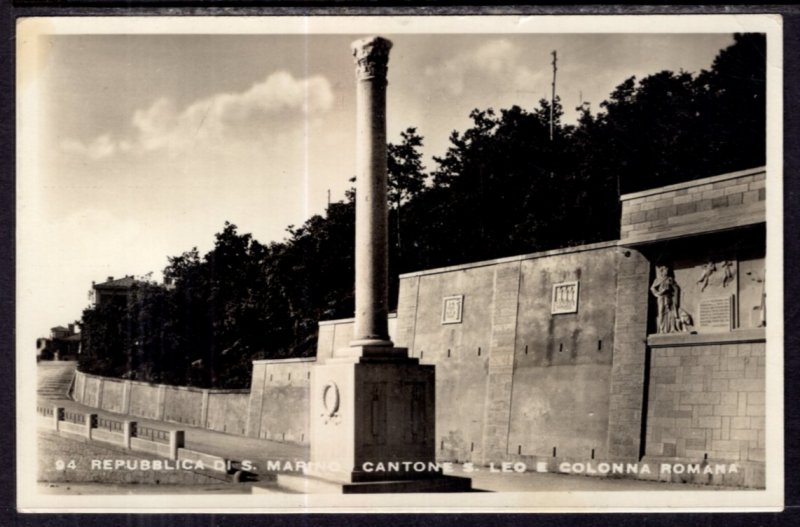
column 399, row 263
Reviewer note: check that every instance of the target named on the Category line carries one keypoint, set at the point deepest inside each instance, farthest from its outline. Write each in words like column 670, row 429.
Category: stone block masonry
column 629, row 360
column 704, row 205
column 501, row 362
column 706, row 402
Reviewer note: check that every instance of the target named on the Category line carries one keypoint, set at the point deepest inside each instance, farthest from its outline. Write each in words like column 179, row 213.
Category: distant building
column 64, row 344
column 114, row 291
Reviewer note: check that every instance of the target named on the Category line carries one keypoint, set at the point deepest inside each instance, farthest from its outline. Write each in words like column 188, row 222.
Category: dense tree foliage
column 503, row 187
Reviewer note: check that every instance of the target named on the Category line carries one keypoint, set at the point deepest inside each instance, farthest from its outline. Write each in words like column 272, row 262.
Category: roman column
column 372, row 259
column 371, row 405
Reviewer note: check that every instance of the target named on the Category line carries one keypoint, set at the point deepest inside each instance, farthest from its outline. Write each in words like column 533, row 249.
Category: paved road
column 260, row 451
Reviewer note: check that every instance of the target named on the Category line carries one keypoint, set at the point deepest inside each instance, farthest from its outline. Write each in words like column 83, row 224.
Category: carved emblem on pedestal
column 330, row 403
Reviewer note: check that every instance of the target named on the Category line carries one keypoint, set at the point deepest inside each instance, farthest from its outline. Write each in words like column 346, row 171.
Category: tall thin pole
column 553, row 93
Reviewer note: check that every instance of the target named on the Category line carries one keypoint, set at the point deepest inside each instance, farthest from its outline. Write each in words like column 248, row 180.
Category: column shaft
column 372, row 238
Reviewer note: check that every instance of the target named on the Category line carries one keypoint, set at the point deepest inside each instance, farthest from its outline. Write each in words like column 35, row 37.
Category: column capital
column 371, row 56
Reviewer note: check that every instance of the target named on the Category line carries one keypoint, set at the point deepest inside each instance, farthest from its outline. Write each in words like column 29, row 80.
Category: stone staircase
column 54, row 378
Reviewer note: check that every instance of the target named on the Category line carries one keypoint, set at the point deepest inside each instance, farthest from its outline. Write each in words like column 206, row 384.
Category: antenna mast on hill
column 553, row 94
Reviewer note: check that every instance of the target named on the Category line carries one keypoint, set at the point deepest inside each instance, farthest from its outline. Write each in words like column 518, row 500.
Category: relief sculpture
column 670, row 318
column 728, row 273
column 708, row 270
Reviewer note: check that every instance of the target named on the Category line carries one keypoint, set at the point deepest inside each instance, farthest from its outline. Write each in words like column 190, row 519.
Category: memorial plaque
column 715, row 314
column 565, row 298
column 451, row 309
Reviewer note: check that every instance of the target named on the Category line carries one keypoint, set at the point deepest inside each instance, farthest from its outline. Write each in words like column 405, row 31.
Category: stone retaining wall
column 220, row 410
column 279, row 405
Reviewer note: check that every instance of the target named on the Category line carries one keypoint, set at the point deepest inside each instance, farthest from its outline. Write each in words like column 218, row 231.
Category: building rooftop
column 120, row 283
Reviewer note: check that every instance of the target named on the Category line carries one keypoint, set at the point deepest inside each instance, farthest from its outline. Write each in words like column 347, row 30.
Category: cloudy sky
column 141, row 146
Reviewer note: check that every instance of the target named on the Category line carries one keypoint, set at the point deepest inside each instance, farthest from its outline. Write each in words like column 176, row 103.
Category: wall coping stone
column 285, row 361
column 514, row 259
column 693, row 183
column 335, row 321
column 169, row 386
column 694, row 339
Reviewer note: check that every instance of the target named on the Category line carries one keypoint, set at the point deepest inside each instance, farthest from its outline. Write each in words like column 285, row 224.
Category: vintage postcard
column 399, row 263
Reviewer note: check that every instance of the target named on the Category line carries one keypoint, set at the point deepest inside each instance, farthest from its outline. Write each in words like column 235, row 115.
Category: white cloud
column 497, row 63
column 496, row 57
column 101, row 147
column 271, row 108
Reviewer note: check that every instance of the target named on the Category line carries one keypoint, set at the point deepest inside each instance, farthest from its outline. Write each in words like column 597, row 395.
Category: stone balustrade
column 124, row 433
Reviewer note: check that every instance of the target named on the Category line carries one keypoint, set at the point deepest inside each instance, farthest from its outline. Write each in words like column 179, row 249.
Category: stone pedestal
column 373, row 427
column 368, row 413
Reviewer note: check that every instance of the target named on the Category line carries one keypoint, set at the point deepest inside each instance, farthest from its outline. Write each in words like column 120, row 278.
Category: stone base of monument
column 311, row 484
column 372, row 419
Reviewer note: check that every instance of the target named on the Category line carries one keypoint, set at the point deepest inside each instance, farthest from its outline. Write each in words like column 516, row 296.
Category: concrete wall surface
column 460, row 352
column 91, row 391
column 336, row 334
column 562, row 368
column 514, row 379
column 145, row 401
column 278, row 405
column 78, row 387
column 222, row 410
column 183, row 405
column 526, row 380
column 112, row 395
column 227, row 412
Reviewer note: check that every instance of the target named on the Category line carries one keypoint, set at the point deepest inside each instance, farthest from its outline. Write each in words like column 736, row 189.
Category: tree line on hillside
column 504, row 187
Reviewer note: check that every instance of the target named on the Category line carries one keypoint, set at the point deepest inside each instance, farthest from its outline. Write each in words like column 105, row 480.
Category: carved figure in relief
column 667, row 293
column 685, row 322
column 727, row 273
column 708, row 270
